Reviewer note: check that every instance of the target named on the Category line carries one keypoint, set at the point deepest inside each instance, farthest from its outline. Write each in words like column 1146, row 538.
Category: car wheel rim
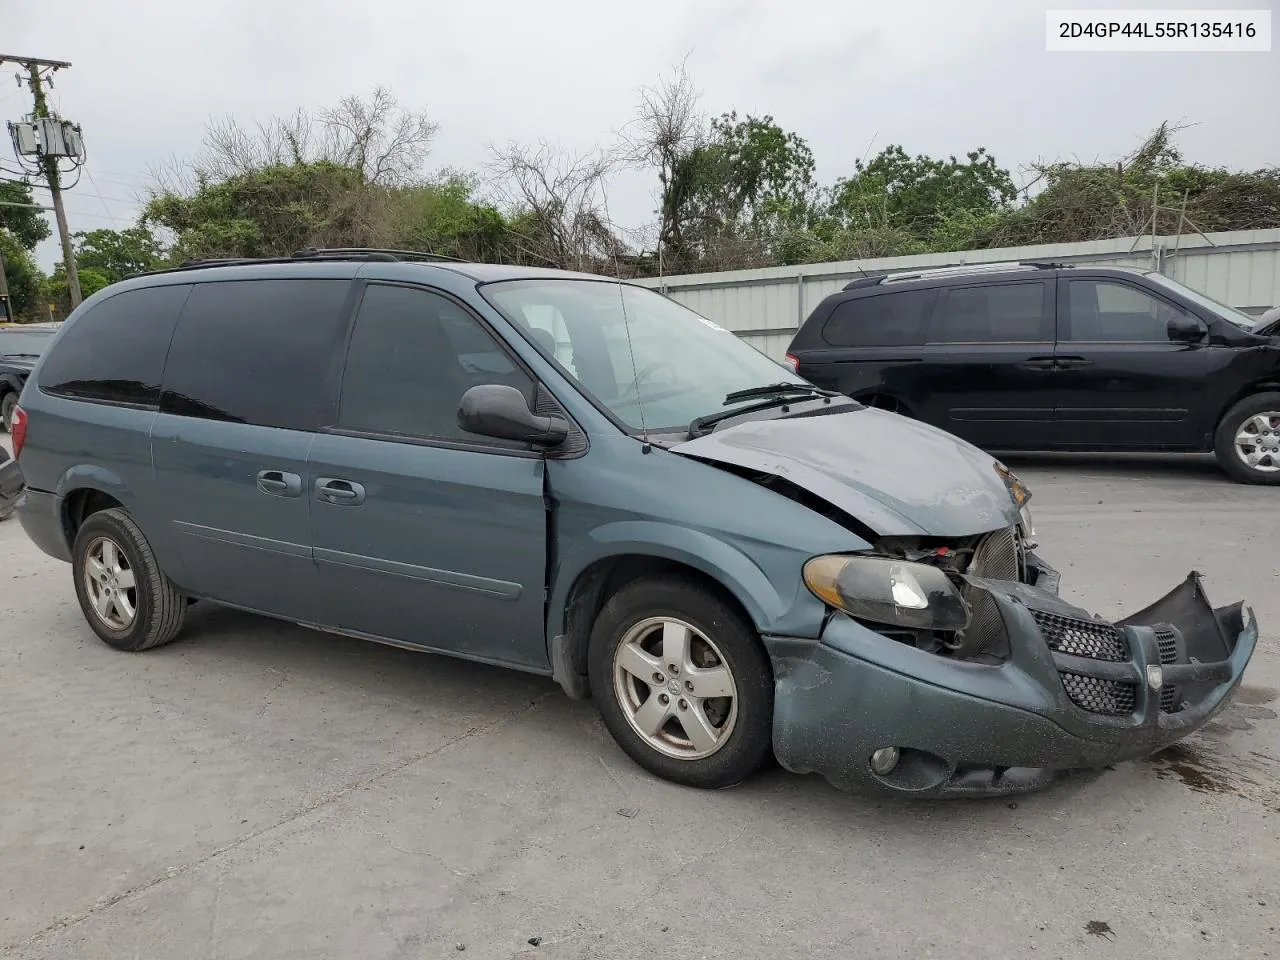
column 110, row 585
column 675, row 688
column 1258, row 442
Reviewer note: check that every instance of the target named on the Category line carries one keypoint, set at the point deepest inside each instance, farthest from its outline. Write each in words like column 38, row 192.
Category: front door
column 1121, row 382
column 987, row 373
column 426, row 535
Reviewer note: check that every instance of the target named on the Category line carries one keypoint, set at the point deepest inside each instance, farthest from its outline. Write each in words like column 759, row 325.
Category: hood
column 897, row 476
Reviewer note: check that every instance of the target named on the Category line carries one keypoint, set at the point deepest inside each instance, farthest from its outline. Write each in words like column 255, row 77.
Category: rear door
column 1122, row 382
column 871, row 346
column 424, row 534
column 250, row 375
column 988, row 363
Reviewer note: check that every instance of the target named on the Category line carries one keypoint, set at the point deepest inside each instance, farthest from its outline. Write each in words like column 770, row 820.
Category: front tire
column 682, row 683
column 127, row 600
column 1247, row 443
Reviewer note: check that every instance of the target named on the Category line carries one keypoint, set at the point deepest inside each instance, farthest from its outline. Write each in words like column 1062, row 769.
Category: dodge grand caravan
column 579, row 478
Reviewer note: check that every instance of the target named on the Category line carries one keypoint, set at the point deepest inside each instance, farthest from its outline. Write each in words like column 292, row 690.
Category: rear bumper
column 971, row 729
column 41, row 516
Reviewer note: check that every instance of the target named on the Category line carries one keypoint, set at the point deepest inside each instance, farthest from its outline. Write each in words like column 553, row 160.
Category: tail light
column 18, row 430
column 793, row 362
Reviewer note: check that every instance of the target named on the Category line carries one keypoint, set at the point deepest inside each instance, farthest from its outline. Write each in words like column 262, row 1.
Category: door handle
column 1066, row 363
column 343, row 493
column 277, row 483
column 1039, row 363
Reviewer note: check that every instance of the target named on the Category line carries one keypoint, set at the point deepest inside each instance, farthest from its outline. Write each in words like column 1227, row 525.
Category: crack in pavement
column 105, row 903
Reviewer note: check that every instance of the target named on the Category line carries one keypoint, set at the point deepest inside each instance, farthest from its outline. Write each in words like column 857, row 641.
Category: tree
column 117, row 254
column 22, row 273
column 27, row 226
column 385, row 143
column 919, row 194
column 558, row 205
column 56, row 293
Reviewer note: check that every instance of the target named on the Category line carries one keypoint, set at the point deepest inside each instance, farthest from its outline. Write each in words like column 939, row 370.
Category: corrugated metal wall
column 1241, row 269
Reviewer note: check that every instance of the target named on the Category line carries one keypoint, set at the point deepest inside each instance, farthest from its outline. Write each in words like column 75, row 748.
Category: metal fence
column 765, row 307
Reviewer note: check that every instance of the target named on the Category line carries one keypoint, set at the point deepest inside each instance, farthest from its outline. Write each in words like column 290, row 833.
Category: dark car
column 1033, row 356
column 10, row 484
column 582, row 479
column 20, row 347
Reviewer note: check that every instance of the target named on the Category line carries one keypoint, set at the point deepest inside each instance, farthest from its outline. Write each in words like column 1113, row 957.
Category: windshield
column 1238, row 317
column 675, row 366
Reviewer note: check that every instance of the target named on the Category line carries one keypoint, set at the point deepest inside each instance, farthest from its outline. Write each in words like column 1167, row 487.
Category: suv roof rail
column 313, row 253
column 956, row 270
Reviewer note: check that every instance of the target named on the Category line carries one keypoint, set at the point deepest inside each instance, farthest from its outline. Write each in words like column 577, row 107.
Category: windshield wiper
column 778, row 389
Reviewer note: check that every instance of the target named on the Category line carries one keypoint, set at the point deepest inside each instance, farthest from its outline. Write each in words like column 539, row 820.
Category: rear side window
column 114, row 352
column 886, row 320
column 257, row 351
column 993, row 313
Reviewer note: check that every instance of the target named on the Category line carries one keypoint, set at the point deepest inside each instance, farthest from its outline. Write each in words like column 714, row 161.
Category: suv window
column 993, row 313
column 884, row 320
column 115, row 351
column 256, row 351
column 413, row 354
column 1111, row 311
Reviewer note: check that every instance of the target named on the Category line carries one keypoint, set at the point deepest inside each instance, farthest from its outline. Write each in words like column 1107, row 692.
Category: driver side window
column 413, row 354
column 1109, row 311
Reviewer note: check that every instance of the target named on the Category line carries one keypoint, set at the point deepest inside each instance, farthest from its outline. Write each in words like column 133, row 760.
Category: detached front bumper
column 1076, row 692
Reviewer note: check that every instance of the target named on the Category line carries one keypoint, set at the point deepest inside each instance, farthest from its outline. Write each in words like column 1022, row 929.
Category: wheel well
column 1262, row 386
column 80, row 505
column 592, row 590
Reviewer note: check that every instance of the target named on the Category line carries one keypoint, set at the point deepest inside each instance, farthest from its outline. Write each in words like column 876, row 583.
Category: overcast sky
column 850, row 76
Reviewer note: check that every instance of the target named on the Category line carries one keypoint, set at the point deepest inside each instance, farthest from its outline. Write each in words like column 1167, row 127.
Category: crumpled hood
column 898, row 476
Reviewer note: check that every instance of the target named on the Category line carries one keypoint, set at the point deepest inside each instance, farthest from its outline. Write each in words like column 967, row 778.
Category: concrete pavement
column 256, row 790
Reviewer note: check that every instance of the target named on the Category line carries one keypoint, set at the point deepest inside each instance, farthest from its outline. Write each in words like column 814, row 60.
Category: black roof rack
column 372, row 254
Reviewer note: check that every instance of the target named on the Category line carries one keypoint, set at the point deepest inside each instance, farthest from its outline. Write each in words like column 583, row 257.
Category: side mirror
column 497, row 410
column 1184, row 329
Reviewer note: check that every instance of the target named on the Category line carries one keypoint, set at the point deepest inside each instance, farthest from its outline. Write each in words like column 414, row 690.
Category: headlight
column 887, row 591
column 1028, row 525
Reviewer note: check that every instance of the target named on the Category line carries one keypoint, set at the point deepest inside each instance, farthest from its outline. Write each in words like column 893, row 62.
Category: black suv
column 1046, row 356
column 20, row 347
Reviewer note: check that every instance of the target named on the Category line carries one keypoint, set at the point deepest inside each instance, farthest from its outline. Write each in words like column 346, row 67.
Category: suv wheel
column 682, row 683
column 1247, row 443
column 8, row 403
column 130, row 604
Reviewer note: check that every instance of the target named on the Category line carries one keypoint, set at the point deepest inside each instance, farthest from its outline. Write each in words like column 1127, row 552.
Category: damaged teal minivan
column 579, row 478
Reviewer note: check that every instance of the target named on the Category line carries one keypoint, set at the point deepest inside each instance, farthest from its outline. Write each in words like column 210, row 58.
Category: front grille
column 1170, row 696
column 1113, row 698
column 1082, row 638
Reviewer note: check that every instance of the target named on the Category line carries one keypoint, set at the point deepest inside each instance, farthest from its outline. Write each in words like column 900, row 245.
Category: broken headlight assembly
column 889, row 591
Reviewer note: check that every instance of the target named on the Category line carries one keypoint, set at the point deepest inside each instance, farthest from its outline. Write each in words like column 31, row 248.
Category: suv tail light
column 793, row 362
column 18, row 430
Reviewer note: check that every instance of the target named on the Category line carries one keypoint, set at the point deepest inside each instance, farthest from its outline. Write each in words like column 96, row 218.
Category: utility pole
column 51, row 177
column 48, row 162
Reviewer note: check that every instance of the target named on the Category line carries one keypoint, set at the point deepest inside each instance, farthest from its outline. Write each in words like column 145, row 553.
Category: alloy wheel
column 110, row 584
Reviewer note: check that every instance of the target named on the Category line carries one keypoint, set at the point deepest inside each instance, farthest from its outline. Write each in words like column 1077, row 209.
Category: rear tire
column 1247, row 442
column 127, row 600
column 664, row 653
column 8, row 403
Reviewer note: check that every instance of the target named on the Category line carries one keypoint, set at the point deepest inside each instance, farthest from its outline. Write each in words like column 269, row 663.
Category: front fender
column 718, row 559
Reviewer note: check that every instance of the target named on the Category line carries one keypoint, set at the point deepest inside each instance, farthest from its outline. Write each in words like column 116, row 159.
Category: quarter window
column 257, row 351
column 884, row 320
column 115, row 351
column 413, row 354
column 994, row 313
